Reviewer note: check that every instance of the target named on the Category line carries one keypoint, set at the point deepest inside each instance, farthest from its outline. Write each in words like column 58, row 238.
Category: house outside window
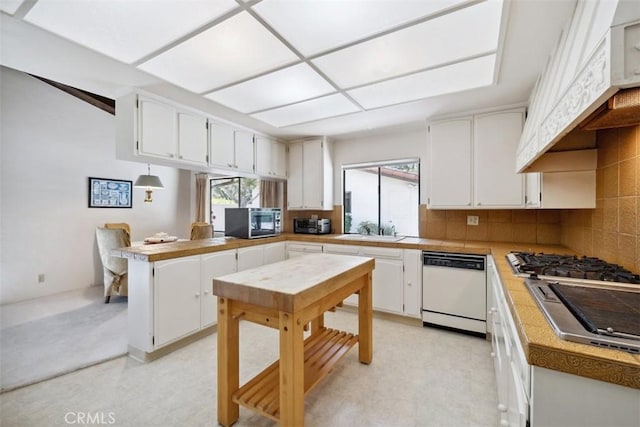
column 382, row 198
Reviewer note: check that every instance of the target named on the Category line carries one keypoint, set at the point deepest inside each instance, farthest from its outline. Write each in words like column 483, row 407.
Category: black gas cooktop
column 570, row 266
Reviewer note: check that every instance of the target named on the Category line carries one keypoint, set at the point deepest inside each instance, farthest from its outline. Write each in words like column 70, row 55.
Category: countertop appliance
column 311, row 226
column 585, row 299
column 569, row 267
column 250, row 223
column 602, row 316
column 454, row 291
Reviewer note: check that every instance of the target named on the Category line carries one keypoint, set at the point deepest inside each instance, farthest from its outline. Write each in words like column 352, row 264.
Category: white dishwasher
column 454, row 291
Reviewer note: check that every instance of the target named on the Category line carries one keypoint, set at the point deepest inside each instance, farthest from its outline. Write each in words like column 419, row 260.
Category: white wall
column 398, row 144
column 51, row 143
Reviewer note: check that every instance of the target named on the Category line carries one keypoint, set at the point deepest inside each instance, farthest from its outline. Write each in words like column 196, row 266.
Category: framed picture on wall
column 109, row 193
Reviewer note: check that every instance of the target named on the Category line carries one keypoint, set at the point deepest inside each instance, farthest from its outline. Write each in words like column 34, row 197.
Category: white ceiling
column 293, row 67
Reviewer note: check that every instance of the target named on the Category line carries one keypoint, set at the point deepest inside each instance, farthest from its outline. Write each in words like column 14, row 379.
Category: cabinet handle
column 171, row 155
column 408, row 283
column 493, row 354
column 493, row 310
column 180, row 156
column 502, row 407
column 504, row 423
column 229, row 165
column 206, row 292
column 197, row 294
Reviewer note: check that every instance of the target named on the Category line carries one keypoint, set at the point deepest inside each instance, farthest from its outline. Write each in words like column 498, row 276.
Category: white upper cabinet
column 166, row 132
column 450, row 169
column 270, row 158
column 310, row 183
column 495, row 140
column 230, row 148
column 244, row 153
column 192, row 138
column 561, row 190
column 472, row 162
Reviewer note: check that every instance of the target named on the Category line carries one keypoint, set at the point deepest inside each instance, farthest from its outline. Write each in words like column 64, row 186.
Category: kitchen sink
column 370, row 238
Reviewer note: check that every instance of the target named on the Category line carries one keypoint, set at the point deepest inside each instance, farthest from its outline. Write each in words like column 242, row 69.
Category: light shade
column 148, row 180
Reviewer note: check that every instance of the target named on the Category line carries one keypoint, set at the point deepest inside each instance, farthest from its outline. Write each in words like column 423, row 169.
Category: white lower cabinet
column 250, row 257
column 535, row 396
column 274, row 252
column 213, row 265
column 177, row 291
column 300, row 249
column 396, row 277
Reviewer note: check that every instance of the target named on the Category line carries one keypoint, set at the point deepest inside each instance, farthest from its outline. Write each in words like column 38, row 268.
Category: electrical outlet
column 41, row 278
column 473, row 220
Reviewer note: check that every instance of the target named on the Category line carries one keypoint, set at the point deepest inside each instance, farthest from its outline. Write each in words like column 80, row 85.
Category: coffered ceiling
column 295, row 67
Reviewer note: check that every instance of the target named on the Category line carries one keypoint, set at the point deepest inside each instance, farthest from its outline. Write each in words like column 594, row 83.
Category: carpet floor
column 54, row 345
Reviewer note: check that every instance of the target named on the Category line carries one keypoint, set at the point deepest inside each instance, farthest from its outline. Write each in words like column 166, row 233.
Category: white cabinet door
column 294, row 183
column 263, row 156
column 192, row 138
column 244, row 160
column 450, row 159
column 312, row 175
column 213, row 265
column 387, row 285
column 561, row 190
column 156, row 128
column 279, row 159
column 222, row 145
column 412, row 283
column 274, row 252
column 344, row 250
column 496, row 183
column 176, row 299
column 532, row 193
column 250, row 257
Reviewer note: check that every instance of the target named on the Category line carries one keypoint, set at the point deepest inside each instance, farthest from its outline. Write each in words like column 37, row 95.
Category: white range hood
column 597, row 55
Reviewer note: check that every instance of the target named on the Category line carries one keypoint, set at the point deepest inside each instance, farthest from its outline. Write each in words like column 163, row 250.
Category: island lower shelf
column 322, row 351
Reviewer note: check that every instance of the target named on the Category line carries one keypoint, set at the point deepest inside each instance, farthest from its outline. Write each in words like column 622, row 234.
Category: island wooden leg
column 228, row 363
column 291, row 370
column 317, row 324
column 365, row 322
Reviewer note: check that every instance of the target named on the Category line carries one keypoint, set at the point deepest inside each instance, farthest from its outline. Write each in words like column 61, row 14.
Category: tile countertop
column 541, row 345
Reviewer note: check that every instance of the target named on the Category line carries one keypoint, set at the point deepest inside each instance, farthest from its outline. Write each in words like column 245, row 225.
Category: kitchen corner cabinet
column 213, row 265
column 271, row 158
column 310, row 183
column 472, row 162
column 561, row 190
column 231, row 148
column 167, row 132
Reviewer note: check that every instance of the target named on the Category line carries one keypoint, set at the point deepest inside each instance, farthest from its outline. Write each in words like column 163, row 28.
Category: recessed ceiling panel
column 452, row 78
column 319, row 108
column 125, row 30
column 231, row 51
column 292, row 84
column 314, row 26
column 10, row 6
column 442, row 40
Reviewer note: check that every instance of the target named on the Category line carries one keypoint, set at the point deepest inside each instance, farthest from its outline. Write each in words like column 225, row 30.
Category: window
column 235, row 192
column 382, row 198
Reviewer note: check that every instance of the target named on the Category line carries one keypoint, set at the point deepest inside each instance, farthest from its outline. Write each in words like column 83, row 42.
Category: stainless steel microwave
column 251, row 223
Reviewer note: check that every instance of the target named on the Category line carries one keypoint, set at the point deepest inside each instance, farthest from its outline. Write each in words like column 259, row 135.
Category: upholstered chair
column 115, row 269
column 201, row 230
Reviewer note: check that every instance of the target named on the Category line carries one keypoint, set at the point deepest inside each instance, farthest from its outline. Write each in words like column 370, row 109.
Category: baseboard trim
column 144, row 357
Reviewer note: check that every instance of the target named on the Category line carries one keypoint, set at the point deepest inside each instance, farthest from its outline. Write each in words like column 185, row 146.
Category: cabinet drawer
column 341, row 249
column 382, row 252
column 304, row 248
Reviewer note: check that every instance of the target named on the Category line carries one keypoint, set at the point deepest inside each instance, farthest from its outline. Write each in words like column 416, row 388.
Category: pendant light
column 148, row 182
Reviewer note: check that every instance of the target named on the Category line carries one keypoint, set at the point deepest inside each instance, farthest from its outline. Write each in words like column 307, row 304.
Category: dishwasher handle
column 453, row 260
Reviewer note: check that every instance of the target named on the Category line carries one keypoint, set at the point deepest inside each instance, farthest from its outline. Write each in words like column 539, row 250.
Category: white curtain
column 202, row 181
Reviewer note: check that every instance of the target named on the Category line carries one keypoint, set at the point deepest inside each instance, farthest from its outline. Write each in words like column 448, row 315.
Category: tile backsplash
column 611, row 230
column 499, row 225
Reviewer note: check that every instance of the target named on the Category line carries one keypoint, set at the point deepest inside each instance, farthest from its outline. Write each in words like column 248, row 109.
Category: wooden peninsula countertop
column 541, row 345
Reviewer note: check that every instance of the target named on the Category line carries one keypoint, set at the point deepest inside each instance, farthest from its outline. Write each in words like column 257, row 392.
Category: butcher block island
column 288, row 296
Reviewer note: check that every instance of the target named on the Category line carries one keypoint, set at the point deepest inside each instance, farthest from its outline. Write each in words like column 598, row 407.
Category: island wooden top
column 293, row 284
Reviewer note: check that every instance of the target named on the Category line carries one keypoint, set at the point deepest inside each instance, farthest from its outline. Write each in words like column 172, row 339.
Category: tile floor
column 419, row 377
